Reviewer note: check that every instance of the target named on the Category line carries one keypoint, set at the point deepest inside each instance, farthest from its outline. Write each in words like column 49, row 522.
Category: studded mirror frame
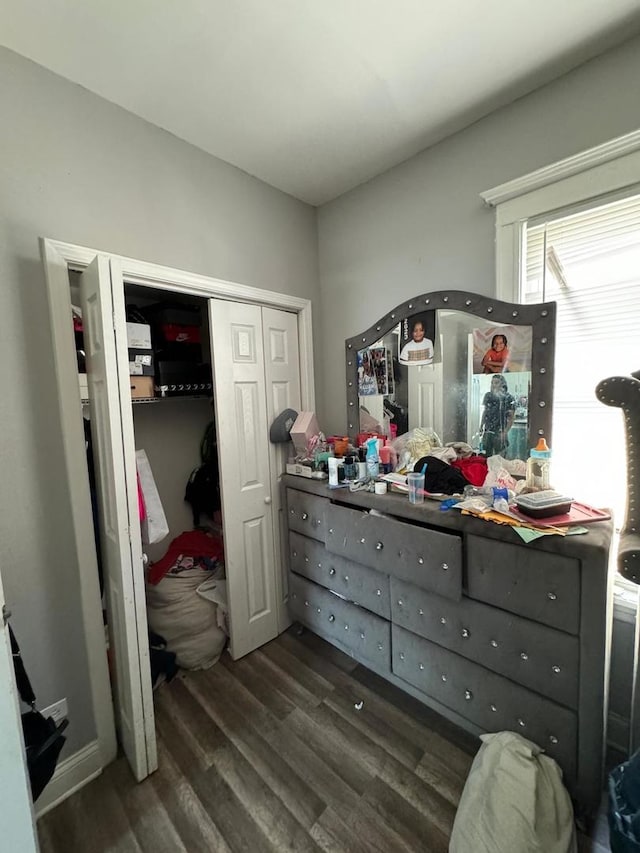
column 541, row 317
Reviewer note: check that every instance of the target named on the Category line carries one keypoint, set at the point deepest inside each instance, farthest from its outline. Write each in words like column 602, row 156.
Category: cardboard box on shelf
column 304, row 428
column 138, row 336
column 141, row 387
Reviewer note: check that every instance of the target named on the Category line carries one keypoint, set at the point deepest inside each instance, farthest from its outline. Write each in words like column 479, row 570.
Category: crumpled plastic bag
column 413, row 445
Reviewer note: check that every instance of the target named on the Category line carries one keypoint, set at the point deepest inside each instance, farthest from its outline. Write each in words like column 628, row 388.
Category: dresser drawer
column 487, row 700
column 541, row 586
column 534, row 655
column 364, row 586
column 424, row 557
column 362, row 634
column 306, row 513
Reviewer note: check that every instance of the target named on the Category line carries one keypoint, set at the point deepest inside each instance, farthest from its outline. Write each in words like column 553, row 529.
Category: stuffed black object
column 43, row 739
column 440, row 477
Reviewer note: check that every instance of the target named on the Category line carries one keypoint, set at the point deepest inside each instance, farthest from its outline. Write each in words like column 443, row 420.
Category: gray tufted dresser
column 490, row 632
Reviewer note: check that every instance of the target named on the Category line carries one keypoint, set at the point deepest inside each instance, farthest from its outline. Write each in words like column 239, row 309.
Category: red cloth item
column 142, row 510
column 473, row 468
column 203, row 547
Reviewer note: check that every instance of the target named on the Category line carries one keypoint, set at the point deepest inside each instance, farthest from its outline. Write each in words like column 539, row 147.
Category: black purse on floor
column 43, row 738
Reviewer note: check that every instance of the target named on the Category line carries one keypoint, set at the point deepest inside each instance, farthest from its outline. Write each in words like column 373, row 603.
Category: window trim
column 610, row 169
column 589, row 175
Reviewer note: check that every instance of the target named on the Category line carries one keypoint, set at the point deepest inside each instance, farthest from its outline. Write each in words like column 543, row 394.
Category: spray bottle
column 373, row 467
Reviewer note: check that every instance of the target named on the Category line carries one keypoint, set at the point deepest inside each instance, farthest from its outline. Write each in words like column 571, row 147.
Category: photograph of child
column 502, row 349
column 417, row 334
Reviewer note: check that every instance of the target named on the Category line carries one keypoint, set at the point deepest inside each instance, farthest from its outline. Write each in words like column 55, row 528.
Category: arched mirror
column 465, row 365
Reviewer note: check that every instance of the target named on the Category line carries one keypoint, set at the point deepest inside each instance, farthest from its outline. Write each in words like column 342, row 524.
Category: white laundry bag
column 513, row 801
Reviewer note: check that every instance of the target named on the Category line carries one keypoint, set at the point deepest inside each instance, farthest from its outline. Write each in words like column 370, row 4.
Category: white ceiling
column 313, row 96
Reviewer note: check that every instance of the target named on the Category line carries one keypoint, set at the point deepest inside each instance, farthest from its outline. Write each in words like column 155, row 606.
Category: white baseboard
column 70, row 775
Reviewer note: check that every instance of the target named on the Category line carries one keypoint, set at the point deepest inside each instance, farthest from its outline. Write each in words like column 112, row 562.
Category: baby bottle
column 538, row 467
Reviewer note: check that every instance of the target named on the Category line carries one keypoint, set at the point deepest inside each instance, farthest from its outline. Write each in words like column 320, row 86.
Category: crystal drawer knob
column 401, row 655
column 421, row 560
column 468, row 695
column 362, row 541
column 493, row 708
column 553, row 739
column 524, row 656
column 443, row 620
column 421, row 666
column 306, row 604
column 521, row 723
column 305, row 516
column 379, row 546
column 400, row 602
column 443, row 677
column 379, row 646
column 346, row 578
column 556, row 669
column 361, row 635
column 378, row 592
column 465, row 633
column 332, row 618
column 551, row 596
column 445, row 567
column 494, row 644
column 332, row 571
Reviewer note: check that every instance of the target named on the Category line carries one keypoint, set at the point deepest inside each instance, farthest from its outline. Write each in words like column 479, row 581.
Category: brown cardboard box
column 141, row 387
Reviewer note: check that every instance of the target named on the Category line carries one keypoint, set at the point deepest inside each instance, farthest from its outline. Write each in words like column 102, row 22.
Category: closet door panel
column 282, row 380
column 130, row 652
column 243, row 446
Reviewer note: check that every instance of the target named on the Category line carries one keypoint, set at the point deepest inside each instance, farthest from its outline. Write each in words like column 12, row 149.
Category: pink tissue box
column 304, row 428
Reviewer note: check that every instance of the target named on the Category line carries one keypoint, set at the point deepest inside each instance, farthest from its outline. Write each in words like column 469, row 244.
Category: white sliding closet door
column 282, row 381
column 245, row 477
column 112, row 432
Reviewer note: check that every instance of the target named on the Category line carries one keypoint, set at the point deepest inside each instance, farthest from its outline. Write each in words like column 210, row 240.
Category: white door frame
column 59, row 258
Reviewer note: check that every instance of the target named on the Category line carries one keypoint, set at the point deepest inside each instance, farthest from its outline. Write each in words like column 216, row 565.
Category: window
column 589, row 263
column 569, row 232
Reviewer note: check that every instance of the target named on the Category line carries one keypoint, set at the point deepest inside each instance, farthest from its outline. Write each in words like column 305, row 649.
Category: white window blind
column 589, row 263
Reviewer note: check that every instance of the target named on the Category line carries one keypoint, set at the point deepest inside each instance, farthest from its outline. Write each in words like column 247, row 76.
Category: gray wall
column 422, row 226
column 76, row 168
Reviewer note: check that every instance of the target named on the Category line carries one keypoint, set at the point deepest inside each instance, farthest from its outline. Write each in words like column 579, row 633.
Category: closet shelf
column 85, row 400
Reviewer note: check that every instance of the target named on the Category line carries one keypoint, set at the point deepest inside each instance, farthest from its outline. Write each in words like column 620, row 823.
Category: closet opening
column 178, row 484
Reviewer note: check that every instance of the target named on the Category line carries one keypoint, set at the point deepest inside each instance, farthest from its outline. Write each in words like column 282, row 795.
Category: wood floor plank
column 330, row 745
column 270, row 754
column 441, row 777
column 235, row 822
column 316, row 658
column 93, row 817
column 333, row 835
column 152, row 826
column 288, row 663
column 194, row 825
column 274, row 820
column 298, row 797
column 375, row 726
column 305, row 762
column 181, row 717
column 416, row 829
column 253, row 678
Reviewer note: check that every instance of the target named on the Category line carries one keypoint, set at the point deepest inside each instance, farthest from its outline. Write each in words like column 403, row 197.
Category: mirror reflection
column 468, row 376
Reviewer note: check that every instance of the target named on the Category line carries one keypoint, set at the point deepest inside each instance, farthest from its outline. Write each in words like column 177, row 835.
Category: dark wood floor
column 294, row 747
